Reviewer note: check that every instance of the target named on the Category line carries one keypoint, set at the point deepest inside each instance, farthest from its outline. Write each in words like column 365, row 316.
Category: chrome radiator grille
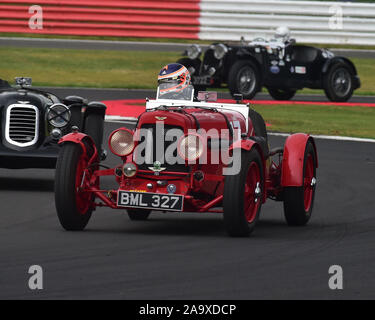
column 22, row 123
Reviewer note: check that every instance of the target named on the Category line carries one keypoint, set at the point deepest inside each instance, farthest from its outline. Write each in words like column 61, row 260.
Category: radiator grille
column 22, row 124
column 169, row 167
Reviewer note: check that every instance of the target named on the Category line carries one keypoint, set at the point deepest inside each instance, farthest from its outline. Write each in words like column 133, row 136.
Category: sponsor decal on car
column 275, row 69
column 300, row 70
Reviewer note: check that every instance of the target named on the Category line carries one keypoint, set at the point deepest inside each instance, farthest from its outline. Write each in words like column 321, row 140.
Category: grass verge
column 113, row 69
column 317, row 119
column 84, row 68
column 133, row 69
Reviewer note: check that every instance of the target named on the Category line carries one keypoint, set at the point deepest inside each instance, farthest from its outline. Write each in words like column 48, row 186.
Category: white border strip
column 120, row 119
column 117, row 119
column 337, row 138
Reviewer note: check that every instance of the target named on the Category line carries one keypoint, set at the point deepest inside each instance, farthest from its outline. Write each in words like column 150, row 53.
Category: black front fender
column 334, row 60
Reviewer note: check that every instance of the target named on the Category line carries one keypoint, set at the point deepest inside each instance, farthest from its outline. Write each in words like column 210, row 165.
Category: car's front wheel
column 338, row 82
column 281, row 94
column 298, row 201
column 243, row 195
column 244, row 79
column 73, row 204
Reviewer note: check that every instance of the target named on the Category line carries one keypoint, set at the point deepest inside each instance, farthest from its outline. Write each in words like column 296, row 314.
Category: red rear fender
column 292, row 165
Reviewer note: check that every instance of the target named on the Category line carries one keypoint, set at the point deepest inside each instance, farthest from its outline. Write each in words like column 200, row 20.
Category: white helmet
column 283, row 33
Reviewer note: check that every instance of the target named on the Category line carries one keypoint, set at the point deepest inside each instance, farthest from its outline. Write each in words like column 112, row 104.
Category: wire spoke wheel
column 309, row 182
column 246, row 80
column 338, row 82
column 83, row 199
column 243, row 194
column 341, row 82
column 298, row 201
column 74, row 204
column 252, row 192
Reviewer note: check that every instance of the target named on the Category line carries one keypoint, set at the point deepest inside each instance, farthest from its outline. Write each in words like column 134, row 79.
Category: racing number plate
column 202, row 80
column 147, row 200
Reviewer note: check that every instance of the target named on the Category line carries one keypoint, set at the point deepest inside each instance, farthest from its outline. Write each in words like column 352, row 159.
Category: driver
column 282, row 34
column 174, row 82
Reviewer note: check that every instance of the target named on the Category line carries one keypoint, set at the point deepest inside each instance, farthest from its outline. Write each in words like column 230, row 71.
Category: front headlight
column 191, row 147
column 194, row 51
column 58, row 115
column 121, row 142
column 220, row 50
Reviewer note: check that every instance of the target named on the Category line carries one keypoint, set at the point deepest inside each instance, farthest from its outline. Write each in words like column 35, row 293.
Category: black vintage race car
column 33, row 121
column 281, row 67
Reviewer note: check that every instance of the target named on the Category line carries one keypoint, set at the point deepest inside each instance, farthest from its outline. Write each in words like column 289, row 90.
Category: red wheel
column 299, row 201
column 74, row 205
column 83, row 199
column 243, row 195
column 252, row 192
column 308, row 182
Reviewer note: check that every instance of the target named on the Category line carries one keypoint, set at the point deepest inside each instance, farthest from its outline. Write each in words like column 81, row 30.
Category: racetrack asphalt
column 133, row 45
column 189, row 256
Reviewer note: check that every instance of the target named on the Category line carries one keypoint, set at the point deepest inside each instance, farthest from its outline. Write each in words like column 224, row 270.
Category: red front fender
column 78, row 137
column 292, row 165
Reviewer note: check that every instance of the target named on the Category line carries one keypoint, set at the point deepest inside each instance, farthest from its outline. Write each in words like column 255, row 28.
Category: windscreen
column 171, row 91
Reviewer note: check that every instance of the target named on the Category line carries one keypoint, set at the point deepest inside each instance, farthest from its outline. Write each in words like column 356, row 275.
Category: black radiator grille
column 151, row 129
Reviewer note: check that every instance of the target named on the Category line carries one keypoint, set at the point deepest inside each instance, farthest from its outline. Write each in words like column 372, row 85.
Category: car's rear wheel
column 281, row 94
column 244, row 79
column 73, row 204
column 138, row 214
column 299, row 201
column 243, row 195
column 338, row 82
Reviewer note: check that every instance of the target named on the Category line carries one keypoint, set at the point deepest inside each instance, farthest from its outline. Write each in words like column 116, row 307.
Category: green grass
column 313, row 119
column 84, row 68
column 113, row 69
column 132, row 69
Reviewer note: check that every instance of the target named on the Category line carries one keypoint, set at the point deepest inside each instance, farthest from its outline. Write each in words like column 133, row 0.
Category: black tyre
column 138, row 214
column 94, row 127
column 299, row 201
column 338, row 82
column 243, row 195
column 244, row 78
column 73, row 206
column 280, row 94
column 196, row 64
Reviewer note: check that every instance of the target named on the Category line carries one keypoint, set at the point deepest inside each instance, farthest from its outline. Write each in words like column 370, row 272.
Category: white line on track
column 130, row 120
column 325, row 137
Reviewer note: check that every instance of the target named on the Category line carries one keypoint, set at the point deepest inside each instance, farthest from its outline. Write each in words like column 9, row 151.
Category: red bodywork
column 288, row 171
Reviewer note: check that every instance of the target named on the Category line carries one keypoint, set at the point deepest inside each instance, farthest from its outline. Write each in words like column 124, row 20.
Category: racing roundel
column 275, row 69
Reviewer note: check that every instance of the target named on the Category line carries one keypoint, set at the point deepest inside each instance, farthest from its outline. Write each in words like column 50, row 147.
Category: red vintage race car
column 189, row 156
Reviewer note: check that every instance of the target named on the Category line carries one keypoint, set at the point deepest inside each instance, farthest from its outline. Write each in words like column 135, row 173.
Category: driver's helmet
column 282, row 33
column 173, row 78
